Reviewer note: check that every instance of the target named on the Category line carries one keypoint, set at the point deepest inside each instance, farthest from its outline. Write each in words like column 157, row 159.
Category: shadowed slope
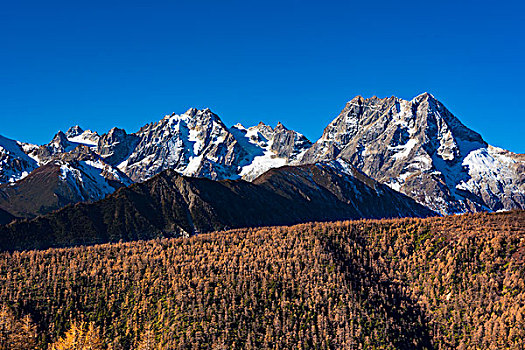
column 172, row 205
column 5, row 217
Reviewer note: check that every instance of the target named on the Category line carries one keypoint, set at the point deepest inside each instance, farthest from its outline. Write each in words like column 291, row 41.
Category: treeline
column 444, row 283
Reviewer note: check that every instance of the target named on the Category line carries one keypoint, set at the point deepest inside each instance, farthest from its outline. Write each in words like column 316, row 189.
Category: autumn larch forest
column 454, row 282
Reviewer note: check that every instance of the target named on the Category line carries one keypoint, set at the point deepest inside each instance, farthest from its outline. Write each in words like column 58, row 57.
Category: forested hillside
column 452, row 282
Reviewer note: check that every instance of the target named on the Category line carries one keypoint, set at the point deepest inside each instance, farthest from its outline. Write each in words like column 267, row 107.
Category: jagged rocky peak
column 440, row 119
column 269, row 147
column 74, row 131
column 195, row 143
column 198, row 143
column 201, row 124
column 394, row 121
column 280, row 127
column 270, row 133
column 86, row 137
column 424, row 96
column 417, row 147
column 60, row 143
column 116, row 145
column 289, row 144
column 64, row 143
column 194, row 113
column 115, row 134
column 197, row 119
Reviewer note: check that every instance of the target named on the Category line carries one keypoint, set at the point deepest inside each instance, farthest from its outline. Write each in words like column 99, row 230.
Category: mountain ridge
column 170, row 204
column 415, row 146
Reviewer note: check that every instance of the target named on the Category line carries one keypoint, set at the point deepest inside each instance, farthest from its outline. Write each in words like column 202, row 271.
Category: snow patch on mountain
column 261, row 164
column 403, row 151
column 268, row 148
column 493, row 176
column 87, row 179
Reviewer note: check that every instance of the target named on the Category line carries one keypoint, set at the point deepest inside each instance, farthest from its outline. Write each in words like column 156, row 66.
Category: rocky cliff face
column 269, row 148
column 419, row 148
column 116, row 146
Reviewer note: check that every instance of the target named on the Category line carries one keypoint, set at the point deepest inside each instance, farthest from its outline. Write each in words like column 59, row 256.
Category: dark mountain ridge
column 171, row 205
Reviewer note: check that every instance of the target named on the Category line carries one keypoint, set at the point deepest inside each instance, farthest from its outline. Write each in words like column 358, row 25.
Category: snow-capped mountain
column 419, row 148
column 197, row 143
column 86, row 166
column 269, row 147
column 15, row 164
column 79, row 175
column 59, row 183
column 76, row 135
column 64, row 143
column 416, row 147
column 39, row 179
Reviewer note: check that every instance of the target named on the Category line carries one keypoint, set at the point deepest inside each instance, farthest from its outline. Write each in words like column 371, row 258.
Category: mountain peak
column 190, row 112
column 74, row 131
column 357, row 99
column 116, row 130
column 280, row 127
column 424, row 96
column 192, row 115
column 195, row 111
column 59, row 137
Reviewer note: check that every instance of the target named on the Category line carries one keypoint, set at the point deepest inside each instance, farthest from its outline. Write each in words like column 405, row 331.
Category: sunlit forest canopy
column 455, row 282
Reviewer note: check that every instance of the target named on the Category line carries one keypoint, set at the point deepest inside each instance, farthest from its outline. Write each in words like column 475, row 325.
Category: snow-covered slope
column 91, row 179
column 195, row 143
column 419, row 148
column 77, row 135
column 64, row 143
column 497, row 176
column 269, row 147
column 37, row 179
column 15, row 164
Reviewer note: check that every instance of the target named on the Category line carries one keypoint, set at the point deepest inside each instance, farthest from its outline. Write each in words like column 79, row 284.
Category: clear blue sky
column 105, row 64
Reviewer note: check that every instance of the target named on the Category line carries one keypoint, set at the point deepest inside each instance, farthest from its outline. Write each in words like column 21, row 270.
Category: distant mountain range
column 416, row 147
